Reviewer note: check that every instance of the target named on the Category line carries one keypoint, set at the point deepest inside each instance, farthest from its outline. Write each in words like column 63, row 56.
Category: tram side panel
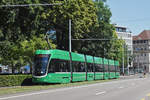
column 78, row 67
column 112, row 71
column 89, row 67
column 117, row 69
column 106, row 69
column 59, row 70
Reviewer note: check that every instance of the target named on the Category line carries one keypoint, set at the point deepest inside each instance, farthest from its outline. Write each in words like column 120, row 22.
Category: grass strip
column 22, row 89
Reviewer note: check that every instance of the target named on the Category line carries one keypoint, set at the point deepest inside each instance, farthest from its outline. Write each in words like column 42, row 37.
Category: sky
column 133, row 14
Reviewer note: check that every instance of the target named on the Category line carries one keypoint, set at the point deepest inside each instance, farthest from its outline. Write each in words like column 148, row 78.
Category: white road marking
column 99, row 93
column 121, row 87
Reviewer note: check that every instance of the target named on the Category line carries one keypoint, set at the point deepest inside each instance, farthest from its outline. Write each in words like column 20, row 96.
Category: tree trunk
column 30, row 63
column 13, row 70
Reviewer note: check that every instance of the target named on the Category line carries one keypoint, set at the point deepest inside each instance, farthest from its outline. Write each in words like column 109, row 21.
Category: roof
column 118, row 26
column 145, row 35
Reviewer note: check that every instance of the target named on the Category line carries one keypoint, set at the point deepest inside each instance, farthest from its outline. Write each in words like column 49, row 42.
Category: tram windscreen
column 40, row 64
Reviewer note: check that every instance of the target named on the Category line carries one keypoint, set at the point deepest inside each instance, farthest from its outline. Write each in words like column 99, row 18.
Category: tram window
column 57, row 65
column 89, row 67
column 78, row 66
column 117, row 69
column 112, row 68
column 98, row 68
column 106, row 68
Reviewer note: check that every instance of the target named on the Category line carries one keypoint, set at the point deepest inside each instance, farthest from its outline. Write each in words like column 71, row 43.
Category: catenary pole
column 69, row 35
column 71, row 70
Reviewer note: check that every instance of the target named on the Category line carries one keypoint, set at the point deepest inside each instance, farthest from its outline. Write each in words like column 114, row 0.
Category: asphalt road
column 124, row 89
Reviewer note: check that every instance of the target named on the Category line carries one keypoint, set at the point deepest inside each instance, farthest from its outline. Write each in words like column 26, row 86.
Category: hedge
column 15, row 80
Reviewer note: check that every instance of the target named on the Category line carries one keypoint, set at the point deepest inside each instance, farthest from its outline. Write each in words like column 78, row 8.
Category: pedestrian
column 144, row 74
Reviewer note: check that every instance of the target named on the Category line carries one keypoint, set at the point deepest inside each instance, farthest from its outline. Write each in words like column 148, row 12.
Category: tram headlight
column 42, row 72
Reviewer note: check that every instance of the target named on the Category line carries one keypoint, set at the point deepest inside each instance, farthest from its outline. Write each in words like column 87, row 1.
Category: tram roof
column 55, row 53
column 116, row 63
column 105, row 61
column 89, row 58
column 111, row 62
column 98, row 60
column 61, row 54
column 77, row 57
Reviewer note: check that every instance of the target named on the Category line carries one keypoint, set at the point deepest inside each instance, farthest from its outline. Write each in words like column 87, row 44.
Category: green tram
column 53, row 66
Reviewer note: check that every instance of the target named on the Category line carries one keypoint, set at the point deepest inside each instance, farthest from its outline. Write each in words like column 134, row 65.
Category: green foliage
column 9, row 54
column 83, row 16
column 27, row 48
column 116, row 49
column 18, row 23
column 39, row 19
column 14, row 80
column 110, row 46
column 21, row 25
column 21, row 29
column 17, row 55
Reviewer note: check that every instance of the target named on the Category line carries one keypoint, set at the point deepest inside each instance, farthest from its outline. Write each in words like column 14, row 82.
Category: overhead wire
column 27, row 5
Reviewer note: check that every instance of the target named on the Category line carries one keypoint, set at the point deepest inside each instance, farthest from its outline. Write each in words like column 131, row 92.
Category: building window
column 141, row 41
column 118, row 29
column 134, row 42
column 145, row 41
column 137, row 49
column 129, row 35
column 141, row 48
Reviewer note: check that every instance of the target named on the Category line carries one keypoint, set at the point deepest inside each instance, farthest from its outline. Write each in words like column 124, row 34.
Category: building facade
column 126, row 35
column 141, row 51
column 4, row 69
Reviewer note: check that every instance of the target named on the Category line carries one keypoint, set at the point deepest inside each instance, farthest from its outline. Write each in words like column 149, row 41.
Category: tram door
column 0, row 69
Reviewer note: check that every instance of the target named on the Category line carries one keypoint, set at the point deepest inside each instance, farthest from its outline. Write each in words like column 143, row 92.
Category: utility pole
column 71, row 70
column 138, row 63
column 123, row 58
column 69, row 35
column 128, row 62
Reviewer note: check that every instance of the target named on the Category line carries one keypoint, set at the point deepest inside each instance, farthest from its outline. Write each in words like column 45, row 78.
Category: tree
column 39, row 19
column 28, row 48
column 21, row 28
column 9, row 55
column 17, row 55
column 81, row 12
column 18, row 23
column 110, row 47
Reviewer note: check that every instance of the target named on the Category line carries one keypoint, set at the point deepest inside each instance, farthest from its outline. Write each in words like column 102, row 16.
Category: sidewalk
column 131, row 76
